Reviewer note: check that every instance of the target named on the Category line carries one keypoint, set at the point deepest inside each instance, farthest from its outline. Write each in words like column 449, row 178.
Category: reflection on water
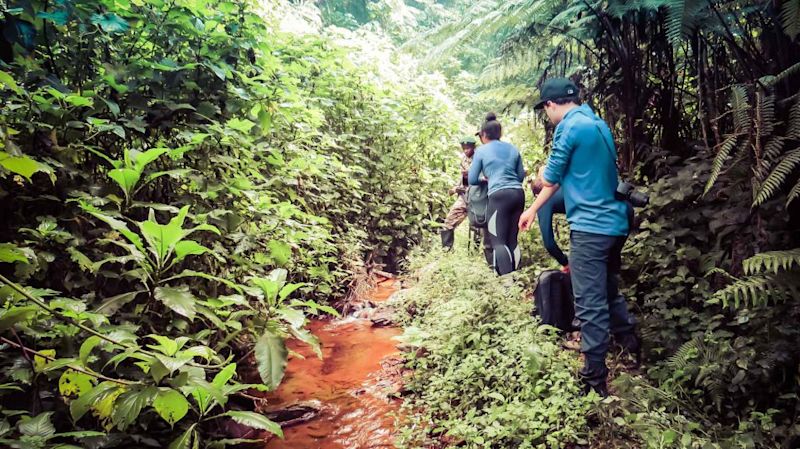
column 355, row 411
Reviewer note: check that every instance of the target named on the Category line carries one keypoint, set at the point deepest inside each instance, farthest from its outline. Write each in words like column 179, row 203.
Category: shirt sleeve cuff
column 550, row 176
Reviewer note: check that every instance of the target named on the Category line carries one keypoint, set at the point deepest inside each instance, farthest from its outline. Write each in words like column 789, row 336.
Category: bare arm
column 529, row 216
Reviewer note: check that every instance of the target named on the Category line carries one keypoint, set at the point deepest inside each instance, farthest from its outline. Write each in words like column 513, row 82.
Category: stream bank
column 352, row 387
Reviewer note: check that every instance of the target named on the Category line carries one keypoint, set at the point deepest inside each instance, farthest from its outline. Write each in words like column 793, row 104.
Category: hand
column 540, row 173
column 526, row 220
column 565, row 269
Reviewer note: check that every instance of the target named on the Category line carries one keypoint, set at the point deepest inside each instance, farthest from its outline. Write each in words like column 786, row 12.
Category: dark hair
column 565, row 100
column 491, row 128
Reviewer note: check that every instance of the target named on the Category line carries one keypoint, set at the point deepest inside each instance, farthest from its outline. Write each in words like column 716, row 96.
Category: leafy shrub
column 485, row 373
column 181, row 186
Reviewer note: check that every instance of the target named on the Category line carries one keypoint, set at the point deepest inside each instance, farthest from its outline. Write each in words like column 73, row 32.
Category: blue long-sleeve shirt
column 583, row 162
column 501, row 163
column 555, row 205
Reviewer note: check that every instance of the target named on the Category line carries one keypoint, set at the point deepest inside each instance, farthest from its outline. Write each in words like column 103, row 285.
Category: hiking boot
column 448, row 237
column 594, row 377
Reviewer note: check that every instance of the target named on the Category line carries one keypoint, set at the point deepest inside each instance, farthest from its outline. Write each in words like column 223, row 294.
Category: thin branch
column 72, row 367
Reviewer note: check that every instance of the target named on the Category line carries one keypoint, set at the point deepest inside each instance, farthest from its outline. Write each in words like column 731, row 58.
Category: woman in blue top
column 501, row 163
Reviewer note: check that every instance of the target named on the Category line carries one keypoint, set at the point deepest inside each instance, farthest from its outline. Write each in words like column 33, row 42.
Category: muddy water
column 349, row 383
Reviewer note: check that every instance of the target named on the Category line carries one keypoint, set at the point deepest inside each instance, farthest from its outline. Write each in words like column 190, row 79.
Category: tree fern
column 790, row 17
column 794, row 194
column 772, row 150
column 793, row 130
column 771, row 277
column 740, row 108
column 683, row 17
column 686, row 355
column 766, row 113
column 778, row 177
column 719, row 161
column 772, row 261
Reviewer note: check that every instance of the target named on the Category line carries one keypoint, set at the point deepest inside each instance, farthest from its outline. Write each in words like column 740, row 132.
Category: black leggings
column 505, row 207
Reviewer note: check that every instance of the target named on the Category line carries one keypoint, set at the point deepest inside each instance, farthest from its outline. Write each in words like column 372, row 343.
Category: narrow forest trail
column 350, row 385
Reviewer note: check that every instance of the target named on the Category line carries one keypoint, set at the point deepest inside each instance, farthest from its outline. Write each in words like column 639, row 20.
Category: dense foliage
column 486, row 375
column 181, row 185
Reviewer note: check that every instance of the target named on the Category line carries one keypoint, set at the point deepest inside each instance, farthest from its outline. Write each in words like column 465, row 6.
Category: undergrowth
column 486, row 375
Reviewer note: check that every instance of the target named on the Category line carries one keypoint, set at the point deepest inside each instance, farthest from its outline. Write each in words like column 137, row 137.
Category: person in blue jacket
column 501, row 163
column 582, row 163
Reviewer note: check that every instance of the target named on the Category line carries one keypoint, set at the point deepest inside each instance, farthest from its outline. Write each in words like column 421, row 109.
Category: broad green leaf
column 179, row 299
column 163, row 238
column 173, row 364
column 39, row 426
column 308, row 338
column 39, row 362
column 20, row 165
column 129, row 405
column 10, row 253
column 271, row 356
column 224, row 376
column 81, row 259
column 84, row 403
column 256, row 421
column 176, row 173
column 110, row 23
column 86, row 348
column 79, row 101
column 58, row 17
column 171, row 405
column 126, row 179
column 14, row 315
column 166, row 345
column 78, row 434
column 294, row 317
column 192, row 273
column 111, row 305
column 186, row 248
column 183, row 441
column 142, row 159
column 289, row 289
column 74, row 383
column 116, row 224
column 6, row 80
column 243, row 126
column 202, row 394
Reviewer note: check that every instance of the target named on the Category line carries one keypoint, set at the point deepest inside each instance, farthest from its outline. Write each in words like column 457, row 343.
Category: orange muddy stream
column 347, row 382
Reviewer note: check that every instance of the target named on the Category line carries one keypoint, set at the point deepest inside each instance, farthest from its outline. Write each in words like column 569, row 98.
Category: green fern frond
column 722, row 155
column 740, row 108
column 790, row 18
column 772, row 261
column 759, row 290
column 686, row 354
column 793, row 130
column 794, row 194
column 766, row 112
column 772, row 151
column 786, row 73
column 778, row 177
column 683, row 17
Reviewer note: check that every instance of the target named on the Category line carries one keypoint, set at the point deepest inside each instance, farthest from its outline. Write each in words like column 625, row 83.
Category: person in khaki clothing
column 458, row 211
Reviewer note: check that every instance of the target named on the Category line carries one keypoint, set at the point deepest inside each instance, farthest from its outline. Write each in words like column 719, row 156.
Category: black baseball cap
column 556, row 88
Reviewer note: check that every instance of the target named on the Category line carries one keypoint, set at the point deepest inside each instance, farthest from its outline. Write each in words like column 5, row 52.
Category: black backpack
column 553, row 299
column 478, row 205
